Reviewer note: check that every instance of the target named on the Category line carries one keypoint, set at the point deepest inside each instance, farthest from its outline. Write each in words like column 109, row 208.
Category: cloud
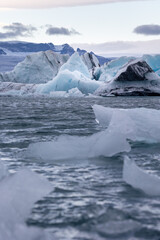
column 17, row 30
column 122, row 48
column 148, row 29
column 54, row 3
column 61, row 31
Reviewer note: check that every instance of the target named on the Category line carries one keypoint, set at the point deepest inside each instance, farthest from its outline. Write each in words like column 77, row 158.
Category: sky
column 106, row 27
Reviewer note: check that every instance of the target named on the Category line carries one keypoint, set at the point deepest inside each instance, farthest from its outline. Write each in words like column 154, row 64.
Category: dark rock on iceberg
column 135, row 79
column 135, row 72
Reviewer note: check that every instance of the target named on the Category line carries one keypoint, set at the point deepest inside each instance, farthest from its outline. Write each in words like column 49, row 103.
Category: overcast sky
column 108, row 27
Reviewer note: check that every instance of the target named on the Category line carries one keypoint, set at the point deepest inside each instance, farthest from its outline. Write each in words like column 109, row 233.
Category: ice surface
column 153, row 61
column 66, row 80
column 3, row 171
column 109, row 70
column 74, row 92
column 18, row 194
column 140, row 179
column 75, row 63
column 138, row 124
column 73, row 74
column 106, row 143
column 39, row 67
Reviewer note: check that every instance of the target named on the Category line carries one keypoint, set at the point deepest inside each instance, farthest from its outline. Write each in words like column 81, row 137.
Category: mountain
column 15, row 47
column 27, row 47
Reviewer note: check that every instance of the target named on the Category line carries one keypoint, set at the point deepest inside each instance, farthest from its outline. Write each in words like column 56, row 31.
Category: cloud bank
column 122, row 48
column 148, row 29
column 54, row 3
column 60, row 31
column 17, row 30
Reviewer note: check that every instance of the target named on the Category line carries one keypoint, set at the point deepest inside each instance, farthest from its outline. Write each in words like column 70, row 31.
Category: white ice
column 139, row 179
column 138, row 124
column 105, row 143
column 36, row 68
column 18, row 193
column 73, row 74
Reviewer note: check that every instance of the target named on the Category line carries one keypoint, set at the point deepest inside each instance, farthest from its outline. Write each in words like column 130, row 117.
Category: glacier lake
column 88, row 199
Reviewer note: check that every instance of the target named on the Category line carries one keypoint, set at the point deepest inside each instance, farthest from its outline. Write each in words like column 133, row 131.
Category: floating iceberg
column 39, row 67
column 18, row 193
column 68, row 147
column 138, row 124
column 140, row 179
column 107, row 143
column 135, row 79
column 108, row 71
column 73, row 74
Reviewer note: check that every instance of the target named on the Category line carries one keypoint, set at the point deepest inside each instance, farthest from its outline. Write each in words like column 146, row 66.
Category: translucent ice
column 75, row 63
column 67, row 80
column 140, row 179
column 106, row 143
column 140, row 124
column 18, row 194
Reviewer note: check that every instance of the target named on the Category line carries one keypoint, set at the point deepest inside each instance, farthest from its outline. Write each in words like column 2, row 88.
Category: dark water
column 89, row 198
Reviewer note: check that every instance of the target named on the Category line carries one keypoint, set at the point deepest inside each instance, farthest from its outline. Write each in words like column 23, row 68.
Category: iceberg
column 19, row 192
column 139, row 179
column 153, row 61
column 73, row 74
column 138, row 124
column 68, row 147
column 135, row 79
column 109, row 70
column 36, row 68
column 106, row 143
column 75, row 63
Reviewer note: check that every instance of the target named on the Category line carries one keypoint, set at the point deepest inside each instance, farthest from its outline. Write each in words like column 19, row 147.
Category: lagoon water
column 89, row 200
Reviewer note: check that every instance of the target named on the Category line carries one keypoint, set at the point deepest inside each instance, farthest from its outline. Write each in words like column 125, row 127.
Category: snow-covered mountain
column 11, row 48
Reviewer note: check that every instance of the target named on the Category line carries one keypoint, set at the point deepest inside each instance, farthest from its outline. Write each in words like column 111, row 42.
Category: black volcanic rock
column 135, row 72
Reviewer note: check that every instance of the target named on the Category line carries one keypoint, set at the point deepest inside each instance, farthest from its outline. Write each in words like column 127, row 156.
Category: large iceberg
column 18, row 193
column 39, row 67
column 109, row 70
column 135, row 79
column 73, row 74
column 139, row 179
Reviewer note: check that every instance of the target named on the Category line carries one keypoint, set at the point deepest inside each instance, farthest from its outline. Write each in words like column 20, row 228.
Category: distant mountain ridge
column 13, row 47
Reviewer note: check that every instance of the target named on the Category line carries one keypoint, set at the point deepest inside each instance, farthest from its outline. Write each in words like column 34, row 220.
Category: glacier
column 19, row 191
column 140, row 179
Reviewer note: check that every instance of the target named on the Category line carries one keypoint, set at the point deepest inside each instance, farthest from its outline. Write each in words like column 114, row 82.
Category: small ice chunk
column 139, row 179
